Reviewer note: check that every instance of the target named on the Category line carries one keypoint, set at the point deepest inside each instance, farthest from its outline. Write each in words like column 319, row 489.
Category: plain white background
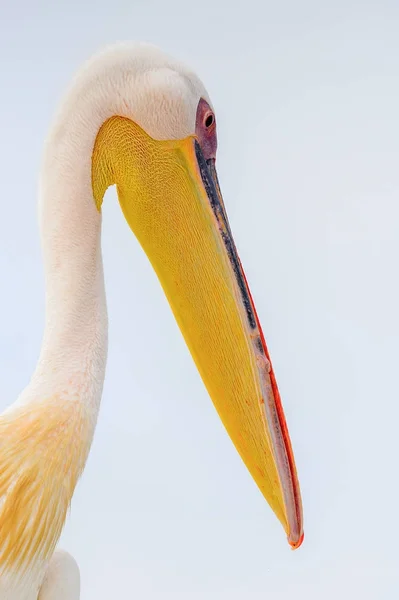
column 307, row 98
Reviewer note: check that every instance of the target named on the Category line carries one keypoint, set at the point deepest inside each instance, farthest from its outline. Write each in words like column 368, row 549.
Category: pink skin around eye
column 205, row 129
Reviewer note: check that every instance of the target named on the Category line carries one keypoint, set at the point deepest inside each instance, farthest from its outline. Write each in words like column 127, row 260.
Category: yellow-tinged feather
column 43, row 449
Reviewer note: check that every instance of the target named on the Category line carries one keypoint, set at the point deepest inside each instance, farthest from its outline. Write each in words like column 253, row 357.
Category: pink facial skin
column 205, row 129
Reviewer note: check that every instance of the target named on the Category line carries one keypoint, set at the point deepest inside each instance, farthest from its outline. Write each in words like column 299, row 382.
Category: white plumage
column 161, row 95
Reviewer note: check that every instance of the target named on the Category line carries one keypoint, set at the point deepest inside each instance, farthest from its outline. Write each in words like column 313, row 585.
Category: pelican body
column 138, row 119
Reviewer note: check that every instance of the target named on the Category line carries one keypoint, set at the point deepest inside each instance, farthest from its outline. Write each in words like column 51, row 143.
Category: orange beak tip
column 296, row 544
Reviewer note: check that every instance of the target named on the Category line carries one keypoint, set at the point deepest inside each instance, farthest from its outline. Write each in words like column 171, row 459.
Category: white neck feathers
column 130, row 80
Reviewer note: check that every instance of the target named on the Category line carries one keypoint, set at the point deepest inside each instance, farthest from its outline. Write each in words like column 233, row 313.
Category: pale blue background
column 307, row 99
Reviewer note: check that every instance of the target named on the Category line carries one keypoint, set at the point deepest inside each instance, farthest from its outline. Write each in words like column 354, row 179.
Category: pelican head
column 156, row 138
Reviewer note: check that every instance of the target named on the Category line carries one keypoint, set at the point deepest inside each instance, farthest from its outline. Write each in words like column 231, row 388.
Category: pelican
column 138, row 119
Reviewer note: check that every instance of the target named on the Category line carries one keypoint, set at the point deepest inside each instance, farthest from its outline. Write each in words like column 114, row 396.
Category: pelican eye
column 209, row 120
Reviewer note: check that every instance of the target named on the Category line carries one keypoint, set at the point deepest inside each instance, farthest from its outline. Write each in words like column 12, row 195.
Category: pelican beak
column 171, row 198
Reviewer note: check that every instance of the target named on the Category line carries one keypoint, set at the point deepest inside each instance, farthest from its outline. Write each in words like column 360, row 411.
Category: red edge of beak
column 283, row 424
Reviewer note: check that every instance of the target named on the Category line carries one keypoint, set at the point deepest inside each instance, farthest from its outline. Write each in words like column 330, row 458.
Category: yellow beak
column 171, row 199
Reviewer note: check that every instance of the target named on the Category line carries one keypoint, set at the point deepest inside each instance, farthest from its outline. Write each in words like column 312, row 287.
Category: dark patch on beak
column 211, row 184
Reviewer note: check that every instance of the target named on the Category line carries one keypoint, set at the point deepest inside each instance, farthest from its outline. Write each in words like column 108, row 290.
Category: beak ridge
column 271, row 409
